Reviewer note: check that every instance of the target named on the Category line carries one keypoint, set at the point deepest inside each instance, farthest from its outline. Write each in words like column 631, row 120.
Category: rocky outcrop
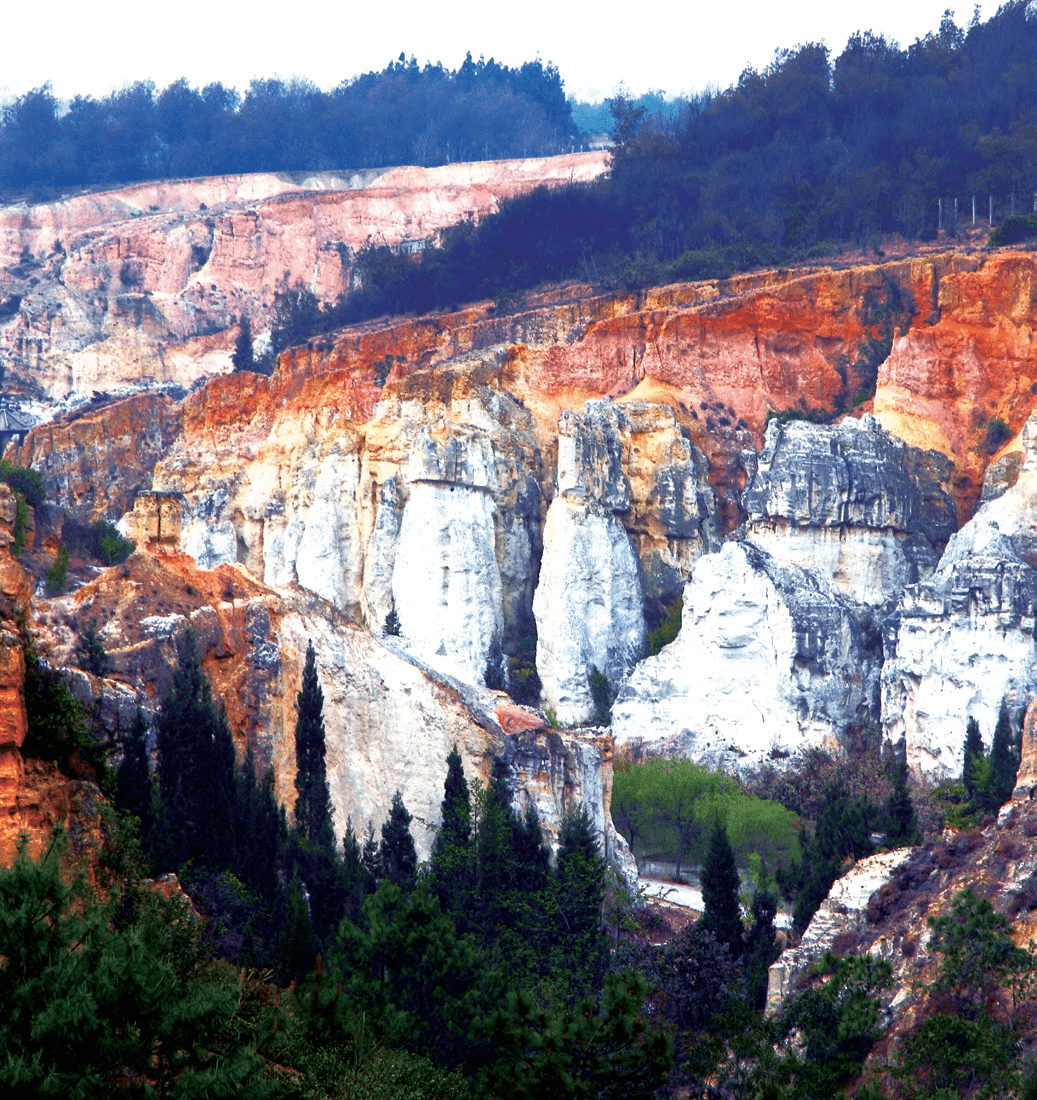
column 390, row 719
column 768, row 661
column 960, row 643
column 842, row 915
column 966, row 370
column 853, row 503
column 142, row 287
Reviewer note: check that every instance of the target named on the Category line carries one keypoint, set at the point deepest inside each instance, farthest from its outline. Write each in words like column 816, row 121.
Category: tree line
column 401, row 115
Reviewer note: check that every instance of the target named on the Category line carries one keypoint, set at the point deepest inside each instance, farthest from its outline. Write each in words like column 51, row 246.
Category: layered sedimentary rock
column 959, row 643
column 768, row 661
column 390, row 721
column 954, row 380
column 589, row 604
column 141, row 287
column 853, row 503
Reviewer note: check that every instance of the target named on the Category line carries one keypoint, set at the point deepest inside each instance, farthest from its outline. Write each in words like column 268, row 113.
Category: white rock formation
column 446, row 581
column 589, row 604
column 852, row 502
column 844, row 910
column 959, row 644
column 767, row 662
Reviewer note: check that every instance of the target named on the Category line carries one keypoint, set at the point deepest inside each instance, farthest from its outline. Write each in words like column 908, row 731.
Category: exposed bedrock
column 853, row 502
column 959, row 643
column 633, row 503
column 769, row 660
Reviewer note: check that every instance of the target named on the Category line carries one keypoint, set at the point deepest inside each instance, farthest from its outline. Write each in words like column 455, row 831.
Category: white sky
column 671, row 45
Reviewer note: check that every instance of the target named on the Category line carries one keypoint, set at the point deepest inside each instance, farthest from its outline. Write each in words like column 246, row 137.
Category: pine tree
column 580, row 882
column 972, row 755
column 397, row 854
column 901, row 819
column 392, row 624
column 761, row 946
column 720, row 885
column 133, row 786
column 452, row 850
column 243, row 357
column 196, row 770
column 313, row 806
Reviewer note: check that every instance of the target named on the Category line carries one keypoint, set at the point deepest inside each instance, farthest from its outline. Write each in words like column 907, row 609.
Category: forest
column 217, row 945
column 401, row 115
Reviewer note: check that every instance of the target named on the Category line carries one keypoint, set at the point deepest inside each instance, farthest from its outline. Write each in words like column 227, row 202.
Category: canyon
column 833, row 465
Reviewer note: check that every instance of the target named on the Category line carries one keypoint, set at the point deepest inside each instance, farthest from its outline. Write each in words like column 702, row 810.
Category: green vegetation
column 99, row 541
column 667, row 630
column 27, row 482
column 666, row 808
column 57, row 726
column 1015, row 229
column 603, row 695
column 21, row 520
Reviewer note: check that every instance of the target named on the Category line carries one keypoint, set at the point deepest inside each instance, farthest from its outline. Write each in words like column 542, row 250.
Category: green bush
column 99, row 541
column 667, row 630
column 27, row 482
column 21, row 520
column 57, row 725
column 57, row 574
column 1015, row 229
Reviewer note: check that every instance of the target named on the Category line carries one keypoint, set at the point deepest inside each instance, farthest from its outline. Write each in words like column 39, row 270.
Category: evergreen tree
column 397, row 855
column 901, row 819
column 1003, row 763
column 392, row 624
column 452, row 850
column 297, row 945
column 973, row 754
column 371, row 859
column 133, row 787
column 580, row 882
column 243, row 357
column 720, row 885
column 90, row 651
column 196, row 770
column 313, row 806
column 761, row 946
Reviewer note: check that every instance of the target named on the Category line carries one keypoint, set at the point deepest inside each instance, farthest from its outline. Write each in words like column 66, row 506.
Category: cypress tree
column 452, row 848
column 720, row 883
column 133, row 779
column 243, row 357
column 1003, row 764
column 972, row 755
column 313, row 806
column 580, row 881
column 397, row 854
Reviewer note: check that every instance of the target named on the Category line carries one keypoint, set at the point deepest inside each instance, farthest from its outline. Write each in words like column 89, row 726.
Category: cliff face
column 558, row 475
column 139, row 288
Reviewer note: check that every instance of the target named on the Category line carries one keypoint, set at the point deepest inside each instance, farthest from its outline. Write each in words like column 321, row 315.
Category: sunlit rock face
column 852, row 502
column 589, row 604
column 768, row 661
column 960, row 643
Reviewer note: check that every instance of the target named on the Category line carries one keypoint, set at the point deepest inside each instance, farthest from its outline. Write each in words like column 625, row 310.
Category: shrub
column 1014, row 230
column 57, row 574
column 27, row 482
column 99, row 541
column 21, row 520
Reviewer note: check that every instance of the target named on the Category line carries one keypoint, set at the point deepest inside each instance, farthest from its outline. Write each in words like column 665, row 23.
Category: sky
column 673, row 46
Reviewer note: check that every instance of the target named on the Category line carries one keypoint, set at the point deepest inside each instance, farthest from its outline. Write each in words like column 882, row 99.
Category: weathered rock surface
column 140, row 288
column 390, row 720
column 852, row 502
column 959, row 643
column 768, row 661
column 844, row 913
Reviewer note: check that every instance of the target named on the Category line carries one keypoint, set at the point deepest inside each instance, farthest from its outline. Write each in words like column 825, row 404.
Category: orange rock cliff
column 473, row 471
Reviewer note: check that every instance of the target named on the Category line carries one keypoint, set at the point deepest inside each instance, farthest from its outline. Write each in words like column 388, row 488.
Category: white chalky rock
column 959, row 644
column 446, row 580
column 767, row 663
column 589, row 605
